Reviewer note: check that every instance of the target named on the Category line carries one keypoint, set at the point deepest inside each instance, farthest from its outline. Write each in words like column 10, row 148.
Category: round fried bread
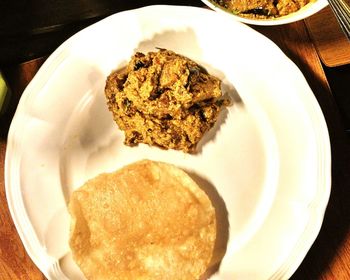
column 148, row 220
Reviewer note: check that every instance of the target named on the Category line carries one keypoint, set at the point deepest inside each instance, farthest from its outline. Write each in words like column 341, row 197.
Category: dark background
column 29, row 29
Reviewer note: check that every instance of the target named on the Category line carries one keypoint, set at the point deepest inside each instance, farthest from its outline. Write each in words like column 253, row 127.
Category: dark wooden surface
column 331, row 44
column 329, row 257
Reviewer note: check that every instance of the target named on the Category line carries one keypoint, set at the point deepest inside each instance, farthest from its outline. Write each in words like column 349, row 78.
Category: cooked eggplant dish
column 164, row 99
column 261, row 9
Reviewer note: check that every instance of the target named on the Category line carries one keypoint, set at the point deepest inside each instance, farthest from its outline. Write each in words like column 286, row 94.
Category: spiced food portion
column 262, row 9
column 148, row 220
column 164, row 99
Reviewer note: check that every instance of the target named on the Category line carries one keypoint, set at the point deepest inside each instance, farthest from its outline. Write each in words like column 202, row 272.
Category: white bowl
column 311, row 8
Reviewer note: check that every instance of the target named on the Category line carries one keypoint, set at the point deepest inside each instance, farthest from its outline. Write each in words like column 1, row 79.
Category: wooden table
column 329, row 257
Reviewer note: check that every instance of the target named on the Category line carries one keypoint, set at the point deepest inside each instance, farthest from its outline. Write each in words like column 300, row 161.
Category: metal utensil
column 341, row 9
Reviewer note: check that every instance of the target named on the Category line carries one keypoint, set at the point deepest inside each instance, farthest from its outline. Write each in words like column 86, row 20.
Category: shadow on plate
column 222, row 223
column 230, row 93
column 181, row 41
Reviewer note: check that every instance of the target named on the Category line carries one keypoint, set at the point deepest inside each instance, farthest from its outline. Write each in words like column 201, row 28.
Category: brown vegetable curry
column 164, row 99
column 263, row 9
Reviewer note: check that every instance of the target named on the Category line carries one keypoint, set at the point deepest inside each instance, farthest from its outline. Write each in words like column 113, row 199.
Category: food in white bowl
column 267, row 12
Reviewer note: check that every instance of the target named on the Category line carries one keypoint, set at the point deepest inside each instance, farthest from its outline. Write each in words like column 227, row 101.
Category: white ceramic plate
column 266, row 164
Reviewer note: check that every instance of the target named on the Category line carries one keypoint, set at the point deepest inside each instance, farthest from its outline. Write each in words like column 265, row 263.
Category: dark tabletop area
column 29, row 29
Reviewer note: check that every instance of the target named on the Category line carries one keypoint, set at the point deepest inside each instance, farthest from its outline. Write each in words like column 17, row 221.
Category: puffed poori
column 147, row 220
column 164, row 99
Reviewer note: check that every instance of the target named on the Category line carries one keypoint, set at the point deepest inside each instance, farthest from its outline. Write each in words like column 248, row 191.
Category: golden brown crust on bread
column 148, row 220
